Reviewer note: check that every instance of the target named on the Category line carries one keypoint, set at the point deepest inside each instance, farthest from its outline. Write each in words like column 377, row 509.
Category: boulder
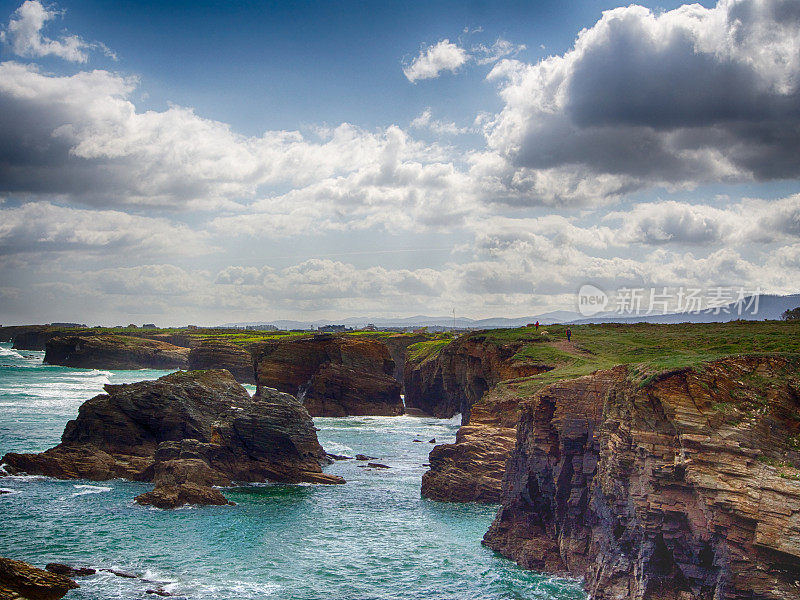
column 114, row 352
column 21, row 581
column 190, row 427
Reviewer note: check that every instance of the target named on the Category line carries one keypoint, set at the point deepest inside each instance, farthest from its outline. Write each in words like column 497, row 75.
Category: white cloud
column 426, row 121
column 675, row 99
column 432, row 61
column 24, row 35
column 501, row 48
column 43, row 227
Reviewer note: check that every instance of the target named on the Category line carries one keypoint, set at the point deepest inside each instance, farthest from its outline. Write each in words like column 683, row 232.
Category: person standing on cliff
column 537, row 325
column 569, row 334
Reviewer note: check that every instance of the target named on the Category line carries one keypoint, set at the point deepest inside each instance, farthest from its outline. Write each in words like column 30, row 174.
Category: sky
column 208, row 162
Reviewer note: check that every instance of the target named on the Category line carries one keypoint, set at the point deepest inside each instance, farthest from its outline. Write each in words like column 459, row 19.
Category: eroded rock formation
column 682, row 486
column 455, row 378
column 471, row 469
column 184, row 430
column 216, row 354
column 21, row 581
column 114, row 352
column 334, row 375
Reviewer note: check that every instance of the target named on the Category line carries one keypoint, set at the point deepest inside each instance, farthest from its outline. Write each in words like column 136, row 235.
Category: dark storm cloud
column 685, row 97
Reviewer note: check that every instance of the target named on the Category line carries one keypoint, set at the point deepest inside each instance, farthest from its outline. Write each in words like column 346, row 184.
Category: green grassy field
column 647, row 348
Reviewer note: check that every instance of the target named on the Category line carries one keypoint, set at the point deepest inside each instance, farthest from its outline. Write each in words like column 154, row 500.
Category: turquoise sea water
column 372, row 538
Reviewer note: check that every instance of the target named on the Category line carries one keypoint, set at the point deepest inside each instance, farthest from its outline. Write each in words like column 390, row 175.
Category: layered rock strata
column 681, row 486
column 114, row 352
column 21, row 581
column 472, row 469
column 455, row 378
column 333, row 375
column 215, row 354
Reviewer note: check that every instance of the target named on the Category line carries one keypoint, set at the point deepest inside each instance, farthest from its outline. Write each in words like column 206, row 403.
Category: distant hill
column 769, row 307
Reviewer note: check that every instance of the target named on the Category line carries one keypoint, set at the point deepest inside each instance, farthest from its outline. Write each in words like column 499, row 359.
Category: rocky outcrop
column 679, row 486
column 472, row 469
column 334, row 375
column 32, row 337
column 337, row 391
column 21, row 581
column 187, row 429
column 397, row 346
column 114, row 352
column 451, row 380
column 215, row 354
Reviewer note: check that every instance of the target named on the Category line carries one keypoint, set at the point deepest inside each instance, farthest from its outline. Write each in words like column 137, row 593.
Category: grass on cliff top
column 647, row 348
column 238, row 337
column 422, row 351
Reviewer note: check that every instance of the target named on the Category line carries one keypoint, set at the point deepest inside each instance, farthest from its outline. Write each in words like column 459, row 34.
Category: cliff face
column 213, row 354
column 472, row 469
column 453, row 380
column 680, row 487
column 186, row 431
column 114, row 352
column 334, row 375
column 34, row 337
column 397, row 346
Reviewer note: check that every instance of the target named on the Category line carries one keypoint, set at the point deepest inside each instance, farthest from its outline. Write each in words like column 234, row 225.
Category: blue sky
column 213, row 161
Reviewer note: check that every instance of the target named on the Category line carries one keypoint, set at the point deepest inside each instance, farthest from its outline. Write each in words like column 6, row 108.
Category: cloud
column 501, row 48
column 426, row 121
column 674, row 99
column 751, row 221
column 81, row 137
column 43, row 227
column 24, row 35
column 432, row 61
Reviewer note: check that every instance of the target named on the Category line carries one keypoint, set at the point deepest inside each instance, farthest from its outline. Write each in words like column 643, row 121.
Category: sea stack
column 186, row 432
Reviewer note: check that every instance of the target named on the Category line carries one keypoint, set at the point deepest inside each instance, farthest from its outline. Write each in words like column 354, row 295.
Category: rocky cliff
column 472, row 469
column 334, row 375
column 186, row 431
column 21, row 581
column 397, row 346
column 680, row 486
column 452, row 379
column 114, row 352
column 216, row 354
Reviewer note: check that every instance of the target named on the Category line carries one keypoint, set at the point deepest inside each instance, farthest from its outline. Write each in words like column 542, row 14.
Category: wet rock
column 67, row 571
column 432, row 441
column 173, row 496
column 365, row 457
column 375, row 465
column 419, row 441
column 198, row 427
column 158, row 592
column 19, row 580
column 338, row 456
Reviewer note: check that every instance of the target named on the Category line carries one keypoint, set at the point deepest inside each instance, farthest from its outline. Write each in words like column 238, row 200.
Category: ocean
column 372, row 538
